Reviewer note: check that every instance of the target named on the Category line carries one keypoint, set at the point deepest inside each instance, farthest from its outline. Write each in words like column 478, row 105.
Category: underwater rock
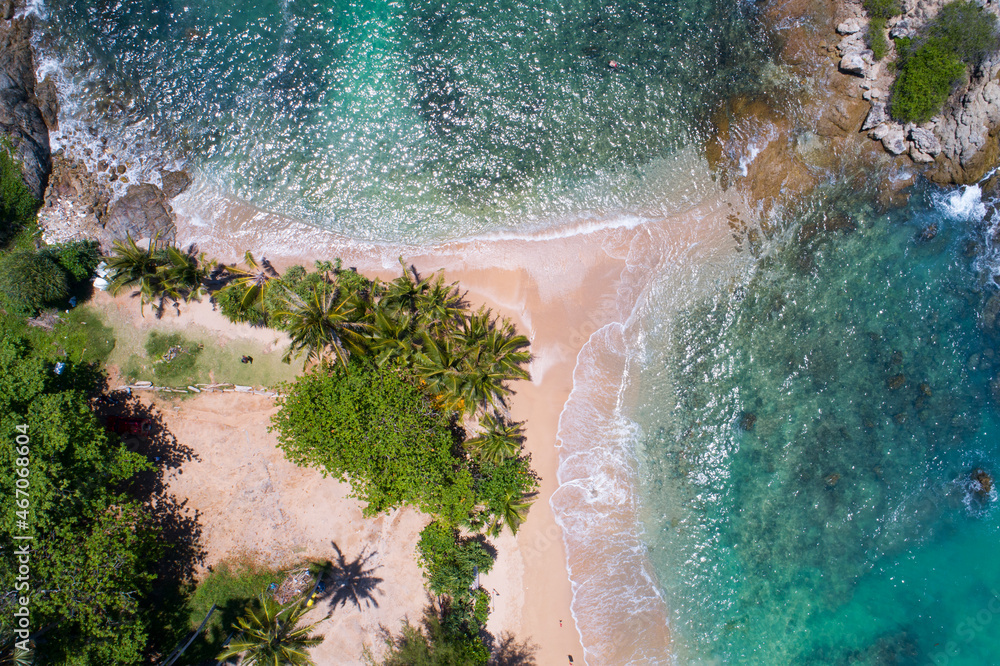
column 982, row 482
column 747, row 421
column 896, row 381
column 995, row 390
column 991, row 313
column 897, row 357
column 928, row 233
column 925, row 389
column 900, row 418
column 831, row 479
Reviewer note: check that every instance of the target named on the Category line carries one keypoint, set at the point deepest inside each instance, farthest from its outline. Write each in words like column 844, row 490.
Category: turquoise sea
column 801, row 433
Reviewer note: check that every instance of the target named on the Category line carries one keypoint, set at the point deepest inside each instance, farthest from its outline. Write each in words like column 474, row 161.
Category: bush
column 30, row 281
column 17, row 206
column 882, row 9
column 925, row 83
column 373, row 427
column 230, row 302
column 450, row 561
column 966, row 30
column 877, row 41
column 79, row 258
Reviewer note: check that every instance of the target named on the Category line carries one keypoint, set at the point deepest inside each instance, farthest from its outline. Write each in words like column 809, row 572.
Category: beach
column 560, row 289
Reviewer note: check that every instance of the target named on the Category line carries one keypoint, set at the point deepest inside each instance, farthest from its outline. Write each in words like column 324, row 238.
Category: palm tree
column 253, row 280
column 402, row 295
column 493, row 355
column 500, row 439
column 440, row 365
column 183, row 273
column 321, row 325
column 513, row 512
column 440, row 305
column 130, row 266
column 270, row 636
column 390, row 337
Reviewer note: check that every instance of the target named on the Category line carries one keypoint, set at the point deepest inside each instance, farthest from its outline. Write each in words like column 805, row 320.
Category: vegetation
column 94, row 545
column 882, row 9
column 876, row 38
column 452, row 561
column 271, row 635
column 17, row 205
column 932, row 64
column 31, row 280
column 173, row 357
column 439, row 641
column 156, row 272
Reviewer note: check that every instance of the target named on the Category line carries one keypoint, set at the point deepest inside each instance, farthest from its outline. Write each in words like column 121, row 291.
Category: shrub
column 882, row 9
column 373, row 427
column 877, row 41
column 923, row 86
column 17, row 206
column 966, row 30
column 450, row 561
column 31, row 280
column 79, row 258
column 230, row 302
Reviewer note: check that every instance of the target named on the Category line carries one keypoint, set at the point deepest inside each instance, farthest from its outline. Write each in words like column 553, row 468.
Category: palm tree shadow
column 343, row 581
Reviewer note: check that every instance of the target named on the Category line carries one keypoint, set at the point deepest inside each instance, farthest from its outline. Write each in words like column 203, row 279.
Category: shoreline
column 559, row 290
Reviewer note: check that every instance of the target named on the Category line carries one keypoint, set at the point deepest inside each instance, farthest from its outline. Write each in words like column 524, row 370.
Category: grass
column 231, row 586
column 81, row 336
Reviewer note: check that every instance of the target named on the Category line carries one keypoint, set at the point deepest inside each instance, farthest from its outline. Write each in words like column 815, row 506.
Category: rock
column 995, row 391
column 121, row 169
column 925, row 389
column 990, row 321
column 47, row 99
column 747, row 421
column 853, row 63
column 982, row 483
column 849, row 27
column 919, row 157
column 894, row 141
column 928, row 233
column 925, row 141
column 20, row 118
column 896, row 358
column 141, row 213
column 144, row 383
column 194, row 389
column 877, row 116
column 174, row 182
column 879, row 132
column 7, row 9
column 903, row 28
column 831, row 479
column 896, row 381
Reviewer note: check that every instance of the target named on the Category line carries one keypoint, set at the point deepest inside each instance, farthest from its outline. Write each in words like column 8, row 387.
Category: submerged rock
column 174, row 182
column 982, row 482
column 831, row 479
column 896, row 381
column 747, row 421
column 928, row 233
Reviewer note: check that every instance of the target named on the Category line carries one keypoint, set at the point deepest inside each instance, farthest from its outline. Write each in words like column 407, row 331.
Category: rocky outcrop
column 21, row 121
column 142, row 213
column 174, row 182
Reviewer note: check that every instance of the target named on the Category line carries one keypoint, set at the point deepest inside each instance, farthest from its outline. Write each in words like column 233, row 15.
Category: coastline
column 559, row 289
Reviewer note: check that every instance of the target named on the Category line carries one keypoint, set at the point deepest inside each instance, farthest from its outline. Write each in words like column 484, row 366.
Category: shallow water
column 436, row 120
column 807, row 436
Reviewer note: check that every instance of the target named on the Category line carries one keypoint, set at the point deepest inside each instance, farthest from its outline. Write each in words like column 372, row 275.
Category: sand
column 558, row 288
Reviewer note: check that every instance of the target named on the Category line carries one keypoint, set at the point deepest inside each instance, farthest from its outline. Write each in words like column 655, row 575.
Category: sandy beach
column 559, row 289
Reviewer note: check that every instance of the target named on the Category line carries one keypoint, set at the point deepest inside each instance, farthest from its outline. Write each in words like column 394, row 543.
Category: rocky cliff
column 21, row 119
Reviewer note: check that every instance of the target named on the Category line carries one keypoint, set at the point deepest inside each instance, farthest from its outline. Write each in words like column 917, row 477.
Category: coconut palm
column 183, row 273
column 402, row 295
column 321, row 325
column 253, row 281
column 499, row 440
column 513, row 512
column 131, row 266
column 440, row 306
column 440, row 364
column 493, row 356
column 390, row 337
column 270, row 635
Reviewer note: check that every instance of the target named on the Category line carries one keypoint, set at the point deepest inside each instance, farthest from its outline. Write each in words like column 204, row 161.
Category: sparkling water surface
column 803, row 436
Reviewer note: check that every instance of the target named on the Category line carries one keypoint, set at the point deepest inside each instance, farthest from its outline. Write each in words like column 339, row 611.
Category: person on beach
column 247, row 359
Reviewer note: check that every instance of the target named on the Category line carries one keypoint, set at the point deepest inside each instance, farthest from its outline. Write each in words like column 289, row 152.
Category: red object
column 124, row 426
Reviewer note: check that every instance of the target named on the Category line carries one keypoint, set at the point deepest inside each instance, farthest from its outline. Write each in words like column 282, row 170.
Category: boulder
column 849, row 27
column 47, row 99
column 904, row 28
column 925, row 141
column 920, row 157
column 142, row 213
column 875, row 117
column 7, row 9
column 853, row 63
column 894, row 141
column 174, row 182
column 879, row 132
column 20, row 119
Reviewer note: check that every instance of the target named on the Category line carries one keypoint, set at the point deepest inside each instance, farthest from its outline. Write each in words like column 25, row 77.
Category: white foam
column 964, row 203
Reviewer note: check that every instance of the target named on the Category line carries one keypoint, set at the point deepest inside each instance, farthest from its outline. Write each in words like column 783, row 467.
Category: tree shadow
column 508, row 651
column 343, row 581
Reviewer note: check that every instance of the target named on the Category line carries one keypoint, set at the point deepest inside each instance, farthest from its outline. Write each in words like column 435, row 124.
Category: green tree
column 924, row 84
column 133, row 267
column 451, row 561
column 391, row 338
column 966, row 30
column 251, row 282
column 499, row 439
column 321, row 326
column 436, row 642
column 30, row 281
column 402, row 295
column 17, row 205
column 506, row 490
column 440, row 306
column 270, row 635
column 182, row 273
column 381, row 432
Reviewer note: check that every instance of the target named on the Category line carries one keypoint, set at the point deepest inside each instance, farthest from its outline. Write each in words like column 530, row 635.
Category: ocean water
column 765, row 461
column 805, row 437
column 425, row 119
